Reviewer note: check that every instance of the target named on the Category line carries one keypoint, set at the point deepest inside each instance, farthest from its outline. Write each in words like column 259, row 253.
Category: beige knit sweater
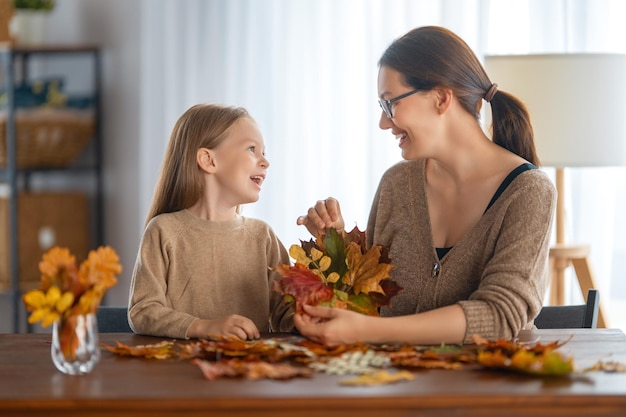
column 498, row 272
column 190, row 268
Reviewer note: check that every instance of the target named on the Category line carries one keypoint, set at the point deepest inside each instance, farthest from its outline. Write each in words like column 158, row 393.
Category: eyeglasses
column 386, row 104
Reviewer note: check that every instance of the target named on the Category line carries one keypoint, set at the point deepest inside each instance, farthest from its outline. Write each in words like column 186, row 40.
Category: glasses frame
column 386, row 104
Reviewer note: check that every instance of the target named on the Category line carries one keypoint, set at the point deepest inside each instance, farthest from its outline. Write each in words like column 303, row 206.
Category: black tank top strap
column 508, row 180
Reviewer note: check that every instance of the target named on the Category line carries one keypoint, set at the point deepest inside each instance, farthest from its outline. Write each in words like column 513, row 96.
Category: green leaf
column 335, row 248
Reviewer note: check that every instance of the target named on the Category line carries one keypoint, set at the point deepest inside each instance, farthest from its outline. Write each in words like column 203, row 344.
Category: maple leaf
column 364, row 271
column 390, row 289
column 303, row 285
column 359, row 237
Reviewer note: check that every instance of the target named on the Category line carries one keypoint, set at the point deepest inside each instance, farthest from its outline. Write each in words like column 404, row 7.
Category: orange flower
column 65, row 290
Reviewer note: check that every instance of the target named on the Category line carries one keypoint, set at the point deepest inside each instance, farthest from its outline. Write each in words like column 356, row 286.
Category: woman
column 467, row 218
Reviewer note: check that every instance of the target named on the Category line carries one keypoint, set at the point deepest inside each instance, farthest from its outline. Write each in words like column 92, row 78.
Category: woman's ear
column 206, row 160
column 444, row 99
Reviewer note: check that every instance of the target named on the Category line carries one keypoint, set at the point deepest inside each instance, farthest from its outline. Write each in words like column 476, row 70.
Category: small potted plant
column 28, row 24
column 41, row 5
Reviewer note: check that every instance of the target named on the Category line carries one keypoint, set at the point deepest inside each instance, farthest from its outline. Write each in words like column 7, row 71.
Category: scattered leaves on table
column 535, row 359
column 294, row 357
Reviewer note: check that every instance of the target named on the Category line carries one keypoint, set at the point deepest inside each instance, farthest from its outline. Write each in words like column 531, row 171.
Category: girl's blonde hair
column 180, row 183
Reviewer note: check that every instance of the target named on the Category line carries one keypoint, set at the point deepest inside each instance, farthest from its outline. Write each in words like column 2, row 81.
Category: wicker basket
column 47, row 138
column 45, row 219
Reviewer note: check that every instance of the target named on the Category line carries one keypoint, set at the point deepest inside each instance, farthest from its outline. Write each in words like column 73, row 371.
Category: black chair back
column 583, row 316
column 113, row 320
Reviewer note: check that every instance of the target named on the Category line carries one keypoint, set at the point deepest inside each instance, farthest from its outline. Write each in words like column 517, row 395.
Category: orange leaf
column 365, row 273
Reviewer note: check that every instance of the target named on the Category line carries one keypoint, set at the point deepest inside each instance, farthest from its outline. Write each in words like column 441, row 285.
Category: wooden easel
column 6, row 13
column 562, row 256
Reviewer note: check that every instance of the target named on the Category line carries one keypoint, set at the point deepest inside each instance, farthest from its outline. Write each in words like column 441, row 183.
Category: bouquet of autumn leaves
column 337, row 270
column 67, row 291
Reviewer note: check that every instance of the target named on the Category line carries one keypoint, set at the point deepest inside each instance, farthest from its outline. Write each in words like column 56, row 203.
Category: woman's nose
column 384, row 122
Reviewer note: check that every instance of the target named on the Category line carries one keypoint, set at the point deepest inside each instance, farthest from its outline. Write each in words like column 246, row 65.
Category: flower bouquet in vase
column 337, row 270
column 68, row 297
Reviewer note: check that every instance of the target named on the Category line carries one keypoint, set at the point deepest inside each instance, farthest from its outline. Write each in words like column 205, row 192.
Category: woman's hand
column 331, row 326
column 233, row 325
column 325, row 214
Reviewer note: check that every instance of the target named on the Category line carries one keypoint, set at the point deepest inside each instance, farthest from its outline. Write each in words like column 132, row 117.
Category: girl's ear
column 206, row 160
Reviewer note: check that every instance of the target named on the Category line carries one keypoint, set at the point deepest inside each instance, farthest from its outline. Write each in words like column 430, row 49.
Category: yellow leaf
column 325, row 263
column 316, row 254
column 365, row 273
column 332, row 277
column 299, row 255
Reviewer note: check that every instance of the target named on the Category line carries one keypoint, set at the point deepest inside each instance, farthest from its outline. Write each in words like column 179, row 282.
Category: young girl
column 202, row 268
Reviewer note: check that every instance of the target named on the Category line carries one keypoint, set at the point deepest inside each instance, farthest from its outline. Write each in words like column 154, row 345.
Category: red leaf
column 303, row 285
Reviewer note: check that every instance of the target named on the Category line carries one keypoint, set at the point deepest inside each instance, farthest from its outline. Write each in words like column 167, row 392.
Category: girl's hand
column 331, row 326
column 233, row 325
column 325, row 214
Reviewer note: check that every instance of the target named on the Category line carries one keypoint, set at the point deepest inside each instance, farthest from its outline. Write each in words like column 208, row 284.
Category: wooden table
column 31, row 386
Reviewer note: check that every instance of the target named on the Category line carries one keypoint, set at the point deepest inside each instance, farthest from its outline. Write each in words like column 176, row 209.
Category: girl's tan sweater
column 190, row 268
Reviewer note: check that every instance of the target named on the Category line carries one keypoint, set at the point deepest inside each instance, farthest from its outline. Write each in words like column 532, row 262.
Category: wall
column 115, row 26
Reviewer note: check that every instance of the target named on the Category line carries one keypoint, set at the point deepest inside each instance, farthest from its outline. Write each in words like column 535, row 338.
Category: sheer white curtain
column 597, row 197
column 306, row 70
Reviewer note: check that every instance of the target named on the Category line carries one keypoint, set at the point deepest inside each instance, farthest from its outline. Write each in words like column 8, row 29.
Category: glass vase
column 75, row 344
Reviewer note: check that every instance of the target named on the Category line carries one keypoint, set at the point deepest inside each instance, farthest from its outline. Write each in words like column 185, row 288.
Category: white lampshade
column 577, row 104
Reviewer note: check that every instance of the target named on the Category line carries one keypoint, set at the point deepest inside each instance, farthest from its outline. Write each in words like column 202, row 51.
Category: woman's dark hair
column 432, row 56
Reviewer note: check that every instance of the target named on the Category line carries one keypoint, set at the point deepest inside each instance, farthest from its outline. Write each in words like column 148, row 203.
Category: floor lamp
column 577, row 105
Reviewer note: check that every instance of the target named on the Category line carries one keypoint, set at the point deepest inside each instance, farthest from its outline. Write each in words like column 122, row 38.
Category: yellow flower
column 34, row 299
column 52, row 296
column 65, row 290
column 64, row 302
